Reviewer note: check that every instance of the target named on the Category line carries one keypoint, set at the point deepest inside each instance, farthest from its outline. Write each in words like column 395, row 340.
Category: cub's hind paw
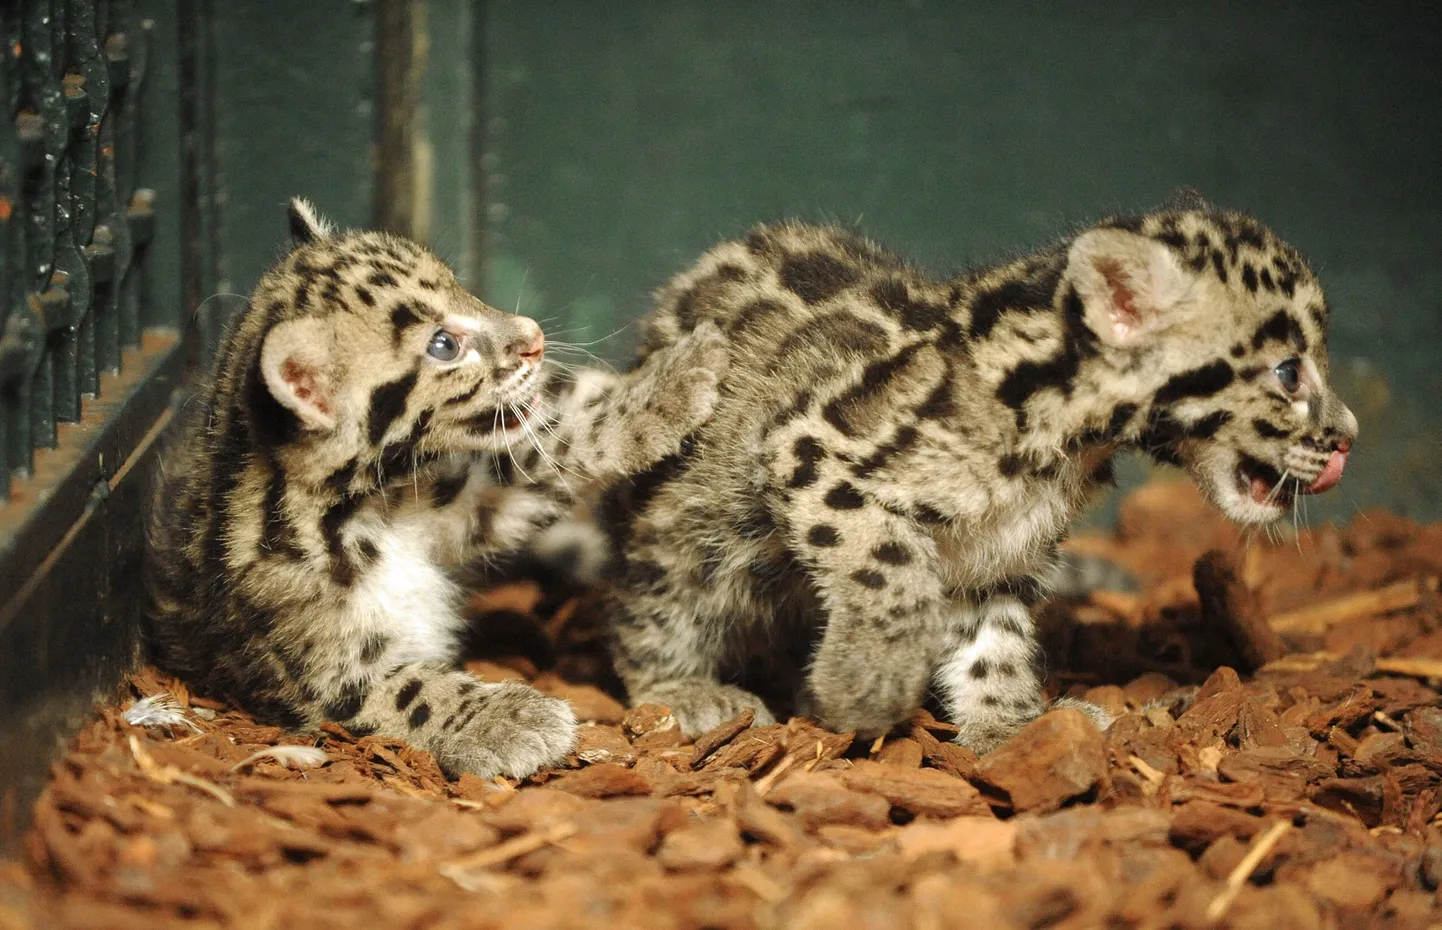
column 516, row 731
column 699, row 706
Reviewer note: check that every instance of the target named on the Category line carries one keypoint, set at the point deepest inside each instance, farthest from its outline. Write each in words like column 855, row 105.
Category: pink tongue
column 1330, row 475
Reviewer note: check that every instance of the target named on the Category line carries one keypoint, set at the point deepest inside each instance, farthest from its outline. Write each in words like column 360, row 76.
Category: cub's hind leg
column 886, row 623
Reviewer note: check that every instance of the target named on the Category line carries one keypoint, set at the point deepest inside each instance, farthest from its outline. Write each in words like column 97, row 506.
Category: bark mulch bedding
column 1303, row 792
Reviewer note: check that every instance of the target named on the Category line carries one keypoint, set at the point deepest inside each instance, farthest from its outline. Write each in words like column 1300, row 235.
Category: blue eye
column 443, row 347
column 1289, row 374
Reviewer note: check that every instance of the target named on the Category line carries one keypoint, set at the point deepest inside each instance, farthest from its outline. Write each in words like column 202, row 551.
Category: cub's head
column 1220, row 329
column 368, row 343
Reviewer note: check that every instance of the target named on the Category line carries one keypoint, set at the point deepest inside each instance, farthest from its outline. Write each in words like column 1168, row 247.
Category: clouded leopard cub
column 894, row 458
column 352, row 449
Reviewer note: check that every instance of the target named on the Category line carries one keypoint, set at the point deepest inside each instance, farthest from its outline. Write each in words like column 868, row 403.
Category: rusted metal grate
column 73, row 225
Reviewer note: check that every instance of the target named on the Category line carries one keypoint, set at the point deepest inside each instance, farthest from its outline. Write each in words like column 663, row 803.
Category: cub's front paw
column 515, row 731
column 684, row 386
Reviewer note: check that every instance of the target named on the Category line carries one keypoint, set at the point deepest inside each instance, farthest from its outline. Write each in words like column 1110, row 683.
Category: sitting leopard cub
column 867, row 517
column 352, row 450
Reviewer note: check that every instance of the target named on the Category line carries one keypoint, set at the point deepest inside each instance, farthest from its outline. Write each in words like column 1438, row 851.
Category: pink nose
column 532, row 349
column 1331, row 473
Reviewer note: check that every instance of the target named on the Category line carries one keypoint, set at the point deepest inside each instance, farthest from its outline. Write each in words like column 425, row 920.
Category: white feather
column 158, row 710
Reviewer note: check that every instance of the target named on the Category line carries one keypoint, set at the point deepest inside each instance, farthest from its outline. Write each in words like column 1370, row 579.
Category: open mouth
column 513, row 417
column 1264, row 484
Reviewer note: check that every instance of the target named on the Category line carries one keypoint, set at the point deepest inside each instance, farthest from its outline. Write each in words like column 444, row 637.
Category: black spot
column 892, row 553
column 842, row 332
column 810, row 452
column 1266, row 279
column 364, row 295
column 1028, row 296
column 823, row 536
column 752, row 314
column 990, row 700
column 905, row 438
column 464, row 396
column 368, row 552
column 374, row 647
column 1249, row 277
column 815, row 276
column 841, row 411
column 940, row 404
column 1174, row 239
column 380, row 279
column 756, row 523
column 342, row 570
column 1121, row 416
column 925, row 513
column 869, row 579
column 1203, row 381
column 352, row 697
column 844, row 497
column 447, row 488
column 420, row 715
column 891, row 295
column 340, row 479
column 277, row 535
column 1238, row 350
column 402, row 318
column 387, row 403
column 1207, row 426
column 1220, row 265
column 979, row 669
column 1280, row 327
column 408, row 693
column 427, row 284
column 1268, row 431
column 730, row 272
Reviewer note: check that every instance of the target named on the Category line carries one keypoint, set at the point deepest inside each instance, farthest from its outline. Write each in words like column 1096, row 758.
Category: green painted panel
column 294, row 109
column 624, row 138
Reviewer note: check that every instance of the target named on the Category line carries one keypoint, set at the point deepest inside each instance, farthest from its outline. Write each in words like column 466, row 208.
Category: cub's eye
column 443, row 347
column 1289, row 374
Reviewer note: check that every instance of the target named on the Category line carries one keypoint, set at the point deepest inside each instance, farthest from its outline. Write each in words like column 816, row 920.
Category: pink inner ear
column 1123, row 299
column 304, row 384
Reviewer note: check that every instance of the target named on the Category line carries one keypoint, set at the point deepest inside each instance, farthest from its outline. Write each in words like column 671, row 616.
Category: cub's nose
column 530, row 344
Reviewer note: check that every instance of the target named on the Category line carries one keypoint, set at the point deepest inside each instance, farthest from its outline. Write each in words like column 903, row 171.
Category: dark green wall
column 624, row 138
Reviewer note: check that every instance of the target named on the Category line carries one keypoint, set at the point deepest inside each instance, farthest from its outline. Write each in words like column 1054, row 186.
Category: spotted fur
column 872, row 512
column 369, row 429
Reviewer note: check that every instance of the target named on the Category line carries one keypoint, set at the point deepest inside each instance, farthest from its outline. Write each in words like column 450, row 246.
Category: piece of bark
column 920, row 792
column 1230, row 608
column 722, row 734
column 1053, row 759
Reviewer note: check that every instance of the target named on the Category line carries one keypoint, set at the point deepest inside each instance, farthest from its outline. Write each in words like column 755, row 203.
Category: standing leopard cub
column 894, row 458
column 353, row 450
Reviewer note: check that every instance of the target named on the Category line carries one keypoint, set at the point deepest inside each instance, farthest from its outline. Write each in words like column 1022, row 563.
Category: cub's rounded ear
column 1130, row 286
column 295, row 363
column 306, row 225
